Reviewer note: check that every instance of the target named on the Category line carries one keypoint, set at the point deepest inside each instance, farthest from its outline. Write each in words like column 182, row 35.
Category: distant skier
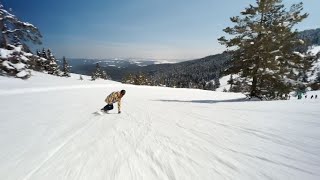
column 113, row 98
column 287, row 97
column 316, row 97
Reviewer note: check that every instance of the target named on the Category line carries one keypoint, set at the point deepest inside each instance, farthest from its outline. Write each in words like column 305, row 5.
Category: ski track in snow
column 175, row 137
column 58, row 148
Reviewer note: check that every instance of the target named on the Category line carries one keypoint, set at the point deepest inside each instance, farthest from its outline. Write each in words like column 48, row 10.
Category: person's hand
column 119, row 112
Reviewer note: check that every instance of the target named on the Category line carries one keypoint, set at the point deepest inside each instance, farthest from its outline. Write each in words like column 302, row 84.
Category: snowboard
column 100, row 112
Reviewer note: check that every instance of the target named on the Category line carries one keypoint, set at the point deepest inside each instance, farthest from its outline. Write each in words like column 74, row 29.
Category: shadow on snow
column 205, row 101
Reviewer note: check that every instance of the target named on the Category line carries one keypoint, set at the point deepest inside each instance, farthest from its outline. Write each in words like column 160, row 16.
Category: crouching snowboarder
column 113, row 98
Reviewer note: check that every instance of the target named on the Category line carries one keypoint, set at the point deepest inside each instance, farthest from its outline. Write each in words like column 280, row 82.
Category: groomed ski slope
column 48, row 130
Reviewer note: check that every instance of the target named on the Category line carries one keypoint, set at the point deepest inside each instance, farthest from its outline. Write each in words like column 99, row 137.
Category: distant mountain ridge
column 197, row 70
column 312, row 36
column 116, row 68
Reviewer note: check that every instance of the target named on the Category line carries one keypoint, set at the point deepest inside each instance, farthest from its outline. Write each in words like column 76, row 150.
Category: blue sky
column 161, row 29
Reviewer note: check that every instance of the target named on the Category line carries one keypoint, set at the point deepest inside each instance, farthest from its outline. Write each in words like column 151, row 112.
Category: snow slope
column 48, row 130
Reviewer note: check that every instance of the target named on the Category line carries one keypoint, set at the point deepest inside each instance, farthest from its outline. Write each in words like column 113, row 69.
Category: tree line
column 16, row 58
column 268, row 57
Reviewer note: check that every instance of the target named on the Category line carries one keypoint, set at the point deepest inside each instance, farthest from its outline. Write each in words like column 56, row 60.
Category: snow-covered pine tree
column 318, row 77
column 38, row 53
column 13, row 34
column 104, row 75
column 141, row 79
column 44, row 54
column 128, row 79
column 40, row 60
column 97, row 73
column 305, row 66
column 263, row 43
column 13, row 62
column 51, row 64
column 231, row 82
column 217, row 81
column 12, row 29
column 210, row 86
column 65, row 68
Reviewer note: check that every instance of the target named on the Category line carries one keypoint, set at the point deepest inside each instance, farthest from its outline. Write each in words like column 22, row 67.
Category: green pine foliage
column 137, row 79
column 210, row 86
column 14, row 34
column 99, row 73
column 51, row 65
column 15, row 31
column 263, row 42
column 65, row 68
column 128, row 79
column 318, row 77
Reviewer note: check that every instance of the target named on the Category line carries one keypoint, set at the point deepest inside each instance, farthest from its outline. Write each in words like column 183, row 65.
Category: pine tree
column 13, row 35
column 317, row 80
column 105, row 75
column 51, row 64
column 44, row 54
column 217, row 81
column 263, row 41
column 210, row 86
column 14, row 30
column 14, row 63
column 127, row 79
column 98, row 73
column 231, row 82
column 65, row 68
column 307, row 63
column 38, row 53
column 140, row 79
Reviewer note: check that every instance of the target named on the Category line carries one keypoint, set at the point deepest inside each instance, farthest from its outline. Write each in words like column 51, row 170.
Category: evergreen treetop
column 263, row 42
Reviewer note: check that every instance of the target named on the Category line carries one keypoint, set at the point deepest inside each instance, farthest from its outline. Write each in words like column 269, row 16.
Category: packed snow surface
column 49, row 130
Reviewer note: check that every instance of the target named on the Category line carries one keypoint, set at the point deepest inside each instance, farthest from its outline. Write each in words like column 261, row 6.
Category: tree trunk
column 231, row 80
column 254, row 86
column 4, row 38
column 253, row 92
column 4, row 41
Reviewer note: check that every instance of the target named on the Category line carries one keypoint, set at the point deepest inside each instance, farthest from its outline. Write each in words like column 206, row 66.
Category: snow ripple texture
column 48, row 130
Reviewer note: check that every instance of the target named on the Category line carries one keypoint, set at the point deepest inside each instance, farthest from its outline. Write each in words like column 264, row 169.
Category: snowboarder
column 113, row 98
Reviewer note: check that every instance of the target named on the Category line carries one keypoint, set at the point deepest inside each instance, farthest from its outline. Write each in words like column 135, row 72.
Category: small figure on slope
column 113, row 98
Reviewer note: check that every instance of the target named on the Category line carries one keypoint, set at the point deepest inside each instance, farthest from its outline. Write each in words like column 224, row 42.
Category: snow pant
column 108, row 107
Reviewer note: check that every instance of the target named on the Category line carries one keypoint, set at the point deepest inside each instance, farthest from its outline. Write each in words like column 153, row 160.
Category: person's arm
column 119, row 106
